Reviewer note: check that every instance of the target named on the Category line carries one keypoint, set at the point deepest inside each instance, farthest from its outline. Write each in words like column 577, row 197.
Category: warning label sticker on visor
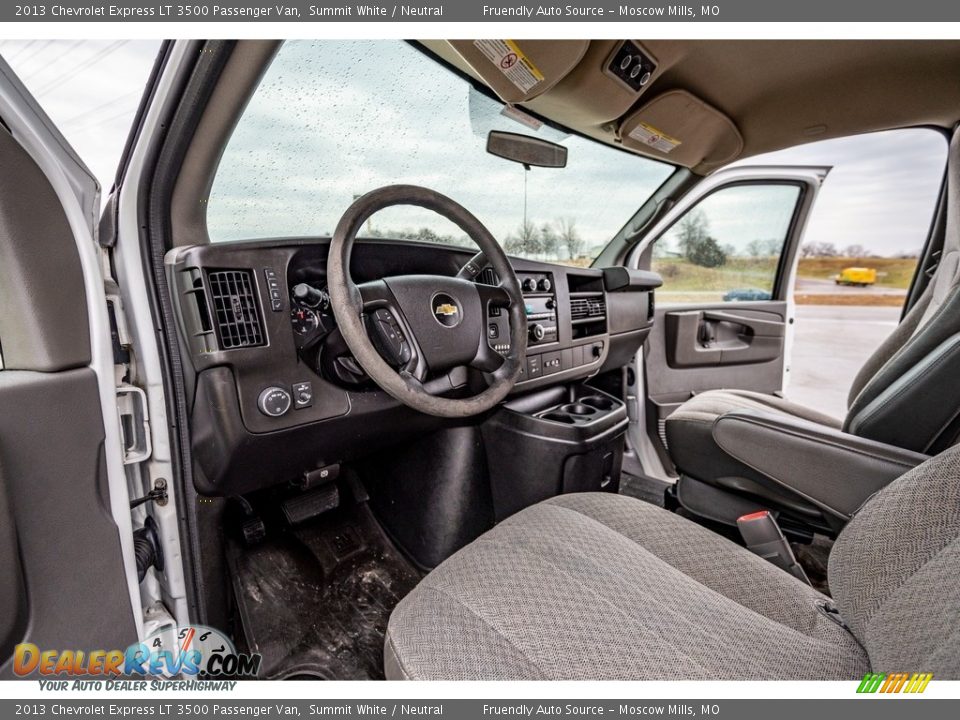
column 511, row 61
column 650, row 136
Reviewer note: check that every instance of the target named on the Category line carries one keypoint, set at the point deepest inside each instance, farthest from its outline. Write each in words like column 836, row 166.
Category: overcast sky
column 328, row 126
column 333, row 120
column 89, row 88
column 882, row 189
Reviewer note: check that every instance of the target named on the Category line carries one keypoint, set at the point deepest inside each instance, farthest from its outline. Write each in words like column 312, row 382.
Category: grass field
column 688, row 283
column 861, row 299
column 680, row 275
column 891, row 272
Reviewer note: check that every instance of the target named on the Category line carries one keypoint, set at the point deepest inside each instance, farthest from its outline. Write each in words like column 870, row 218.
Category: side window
column 727, row 247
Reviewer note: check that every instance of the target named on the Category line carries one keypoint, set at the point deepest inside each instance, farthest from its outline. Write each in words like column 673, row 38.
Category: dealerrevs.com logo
column 193, row 651
column 889, row 683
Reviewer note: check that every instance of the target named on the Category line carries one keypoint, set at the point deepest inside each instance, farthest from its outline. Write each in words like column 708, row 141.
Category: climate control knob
column 537, row 332
column 529, row 284
column 544, row 285
column 274, row 402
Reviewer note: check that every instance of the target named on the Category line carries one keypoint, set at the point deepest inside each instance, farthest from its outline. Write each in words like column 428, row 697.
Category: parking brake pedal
column 311, row 503
column 763, row 536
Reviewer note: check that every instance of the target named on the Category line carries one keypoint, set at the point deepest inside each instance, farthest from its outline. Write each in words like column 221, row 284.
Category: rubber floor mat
column 314, row 600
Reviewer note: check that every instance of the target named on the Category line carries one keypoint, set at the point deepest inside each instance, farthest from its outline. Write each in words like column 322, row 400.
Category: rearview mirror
column 527, row 150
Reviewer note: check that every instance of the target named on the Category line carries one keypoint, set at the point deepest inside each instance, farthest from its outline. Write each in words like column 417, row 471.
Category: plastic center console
column 559, row 440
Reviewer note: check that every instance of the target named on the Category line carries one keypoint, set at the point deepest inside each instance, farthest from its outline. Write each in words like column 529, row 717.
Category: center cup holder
column 559, row 417
column 598, row 402
column 577, row 408
column 580, row 410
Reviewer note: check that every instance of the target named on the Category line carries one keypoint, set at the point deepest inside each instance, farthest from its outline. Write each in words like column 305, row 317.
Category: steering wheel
column 426, row 324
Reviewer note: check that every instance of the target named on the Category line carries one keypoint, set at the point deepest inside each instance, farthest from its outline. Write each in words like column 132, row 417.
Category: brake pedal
column 310, row 504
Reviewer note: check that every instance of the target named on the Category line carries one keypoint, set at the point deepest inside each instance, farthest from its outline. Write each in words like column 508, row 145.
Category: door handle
column 764, row 328
column 689, row 343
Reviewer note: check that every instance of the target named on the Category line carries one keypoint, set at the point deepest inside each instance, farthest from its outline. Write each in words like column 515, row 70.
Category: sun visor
column 520, row 70
column 682, row 129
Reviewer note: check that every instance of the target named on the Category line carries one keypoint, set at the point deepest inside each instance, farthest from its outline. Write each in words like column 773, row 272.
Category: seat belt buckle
column 762, row 535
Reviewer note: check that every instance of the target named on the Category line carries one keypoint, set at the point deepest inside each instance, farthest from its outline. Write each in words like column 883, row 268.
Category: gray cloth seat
column 601, row 586
column 905, row 395
column 695, row 451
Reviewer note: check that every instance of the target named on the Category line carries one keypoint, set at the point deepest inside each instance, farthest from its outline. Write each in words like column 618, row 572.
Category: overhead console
column 632, row 65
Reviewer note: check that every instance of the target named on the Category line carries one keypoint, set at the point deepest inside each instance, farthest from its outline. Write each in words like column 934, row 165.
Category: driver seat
column 905, row 397
column 601, row 586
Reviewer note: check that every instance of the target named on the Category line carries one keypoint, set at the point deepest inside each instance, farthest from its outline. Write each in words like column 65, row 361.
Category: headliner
column 777, row 93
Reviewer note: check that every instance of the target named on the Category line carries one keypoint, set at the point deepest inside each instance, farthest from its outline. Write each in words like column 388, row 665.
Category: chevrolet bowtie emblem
column 446, row 310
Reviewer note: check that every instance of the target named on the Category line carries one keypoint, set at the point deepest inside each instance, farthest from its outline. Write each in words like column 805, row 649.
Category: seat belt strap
column 763, row 537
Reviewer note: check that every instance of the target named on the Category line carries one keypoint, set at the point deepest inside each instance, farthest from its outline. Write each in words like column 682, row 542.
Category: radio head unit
column 540, row 303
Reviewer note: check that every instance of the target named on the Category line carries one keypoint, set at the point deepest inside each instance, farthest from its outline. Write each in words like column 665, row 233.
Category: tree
column 765, row 248
column 530, row 238
column 525, row 240
column 695, row 241
column 855, row 251
column 549, row 242
column 570, row 237
column 513, row 245
column 693, row 229
column 706, row 253
column 773, row 247
column 423, row 234
column 819, row 249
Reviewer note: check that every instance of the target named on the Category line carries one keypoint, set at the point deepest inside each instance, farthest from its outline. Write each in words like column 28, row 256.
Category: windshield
column 335, row 119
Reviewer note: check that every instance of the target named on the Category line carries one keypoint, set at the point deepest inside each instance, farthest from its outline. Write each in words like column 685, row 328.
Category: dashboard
column 270, row 375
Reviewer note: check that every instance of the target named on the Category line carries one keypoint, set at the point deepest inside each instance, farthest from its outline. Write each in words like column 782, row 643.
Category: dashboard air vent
column 587, row 308
column 235, row 308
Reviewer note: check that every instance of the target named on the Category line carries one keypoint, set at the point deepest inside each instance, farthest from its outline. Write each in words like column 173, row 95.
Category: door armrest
column 834, row 470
